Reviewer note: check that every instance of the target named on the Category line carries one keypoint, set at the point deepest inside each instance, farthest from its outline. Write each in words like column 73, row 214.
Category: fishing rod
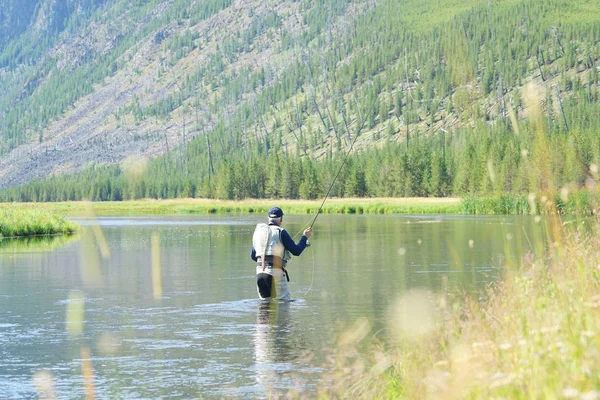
column 335, row 178
column 362, row 125
column 358, row 133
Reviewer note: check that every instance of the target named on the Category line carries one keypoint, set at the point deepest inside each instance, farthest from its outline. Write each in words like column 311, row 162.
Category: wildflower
column 487, row 343
column 564, row 194
column 550, row 329
column 570, row 393
column 505, row 346
column 501, row 379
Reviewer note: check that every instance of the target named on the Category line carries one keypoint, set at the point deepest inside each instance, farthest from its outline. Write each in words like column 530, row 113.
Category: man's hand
column 307, row 232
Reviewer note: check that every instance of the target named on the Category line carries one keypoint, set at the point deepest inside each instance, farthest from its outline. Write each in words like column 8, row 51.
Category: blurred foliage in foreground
column 537, row 334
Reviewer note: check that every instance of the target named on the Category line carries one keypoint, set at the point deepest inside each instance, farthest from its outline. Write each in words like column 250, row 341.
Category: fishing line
column 362, row 125
column 358, row 133
column 312, row 279
column 332, row 183
column 335, row 178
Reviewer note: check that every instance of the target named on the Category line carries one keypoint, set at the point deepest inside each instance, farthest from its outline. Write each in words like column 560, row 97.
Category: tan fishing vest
column 267, row 242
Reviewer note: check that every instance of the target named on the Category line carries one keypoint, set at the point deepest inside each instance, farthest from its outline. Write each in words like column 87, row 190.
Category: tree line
column 484, row 160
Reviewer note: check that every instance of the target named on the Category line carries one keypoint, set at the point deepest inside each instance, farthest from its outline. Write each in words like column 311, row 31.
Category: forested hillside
column 235, row 99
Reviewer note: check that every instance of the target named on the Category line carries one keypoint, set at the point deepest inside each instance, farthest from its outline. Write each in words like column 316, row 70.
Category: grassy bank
column 18, row 221
column 208, row 206
column 537, row 335
column 582, row 202
column 577, row 202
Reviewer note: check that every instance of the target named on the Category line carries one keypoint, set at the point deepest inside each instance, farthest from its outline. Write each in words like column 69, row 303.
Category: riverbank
column 575, row 202
column 290, row 207
column 580, row 202
column 20, row 221
column 536, row 334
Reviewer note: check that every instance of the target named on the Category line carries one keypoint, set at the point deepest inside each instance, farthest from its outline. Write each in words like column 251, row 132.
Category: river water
column 169, row 305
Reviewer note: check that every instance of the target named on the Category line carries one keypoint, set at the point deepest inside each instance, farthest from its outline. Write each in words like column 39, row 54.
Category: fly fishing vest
column 269, row 246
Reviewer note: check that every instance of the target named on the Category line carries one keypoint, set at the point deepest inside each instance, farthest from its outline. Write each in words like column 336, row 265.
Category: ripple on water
column 159, row 221
column 160, row 344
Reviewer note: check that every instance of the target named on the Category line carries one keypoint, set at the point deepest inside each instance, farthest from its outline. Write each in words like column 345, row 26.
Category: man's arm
column 288, row 242
column 253, row 254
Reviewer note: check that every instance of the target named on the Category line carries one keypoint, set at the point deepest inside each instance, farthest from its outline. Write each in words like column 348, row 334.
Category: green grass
column 501, row 205
column 18, row 221
column 290, row 207
column 578, row 202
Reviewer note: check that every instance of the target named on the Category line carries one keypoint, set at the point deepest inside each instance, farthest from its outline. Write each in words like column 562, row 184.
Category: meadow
column 290, row 207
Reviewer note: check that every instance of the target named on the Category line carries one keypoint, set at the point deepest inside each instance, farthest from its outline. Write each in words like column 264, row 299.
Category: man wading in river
column 272, row 247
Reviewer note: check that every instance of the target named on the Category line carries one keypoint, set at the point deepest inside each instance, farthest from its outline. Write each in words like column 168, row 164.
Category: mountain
column 200, row 87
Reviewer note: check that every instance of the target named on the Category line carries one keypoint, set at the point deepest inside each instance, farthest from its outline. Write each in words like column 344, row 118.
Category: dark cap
column 275, row 212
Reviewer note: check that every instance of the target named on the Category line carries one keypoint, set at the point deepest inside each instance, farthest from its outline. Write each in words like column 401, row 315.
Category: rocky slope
column 99, row 81
column 95, row 129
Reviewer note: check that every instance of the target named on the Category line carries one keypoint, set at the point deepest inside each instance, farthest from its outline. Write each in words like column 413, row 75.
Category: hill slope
column 253, row 78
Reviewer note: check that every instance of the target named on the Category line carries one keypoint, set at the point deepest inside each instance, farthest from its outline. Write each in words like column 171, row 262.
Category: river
column 169, row 304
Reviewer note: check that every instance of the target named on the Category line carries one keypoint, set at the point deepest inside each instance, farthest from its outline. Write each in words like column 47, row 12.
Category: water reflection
column 278, row 343
column 36, row 244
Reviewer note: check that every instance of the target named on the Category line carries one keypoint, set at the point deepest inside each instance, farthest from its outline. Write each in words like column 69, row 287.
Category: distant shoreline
column 582, row 202
column 250, row 206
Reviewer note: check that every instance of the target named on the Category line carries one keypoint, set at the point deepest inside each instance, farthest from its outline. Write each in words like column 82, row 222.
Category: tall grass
column 19, row 221
column 504, row 204
column 577, row 202
column 536, row 336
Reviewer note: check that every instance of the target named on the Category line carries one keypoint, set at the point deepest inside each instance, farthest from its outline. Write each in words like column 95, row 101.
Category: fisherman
column 272, row 247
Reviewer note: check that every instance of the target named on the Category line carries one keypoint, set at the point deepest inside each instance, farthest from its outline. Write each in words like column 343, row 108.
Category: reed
column 18, row 221
column 577, row 202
